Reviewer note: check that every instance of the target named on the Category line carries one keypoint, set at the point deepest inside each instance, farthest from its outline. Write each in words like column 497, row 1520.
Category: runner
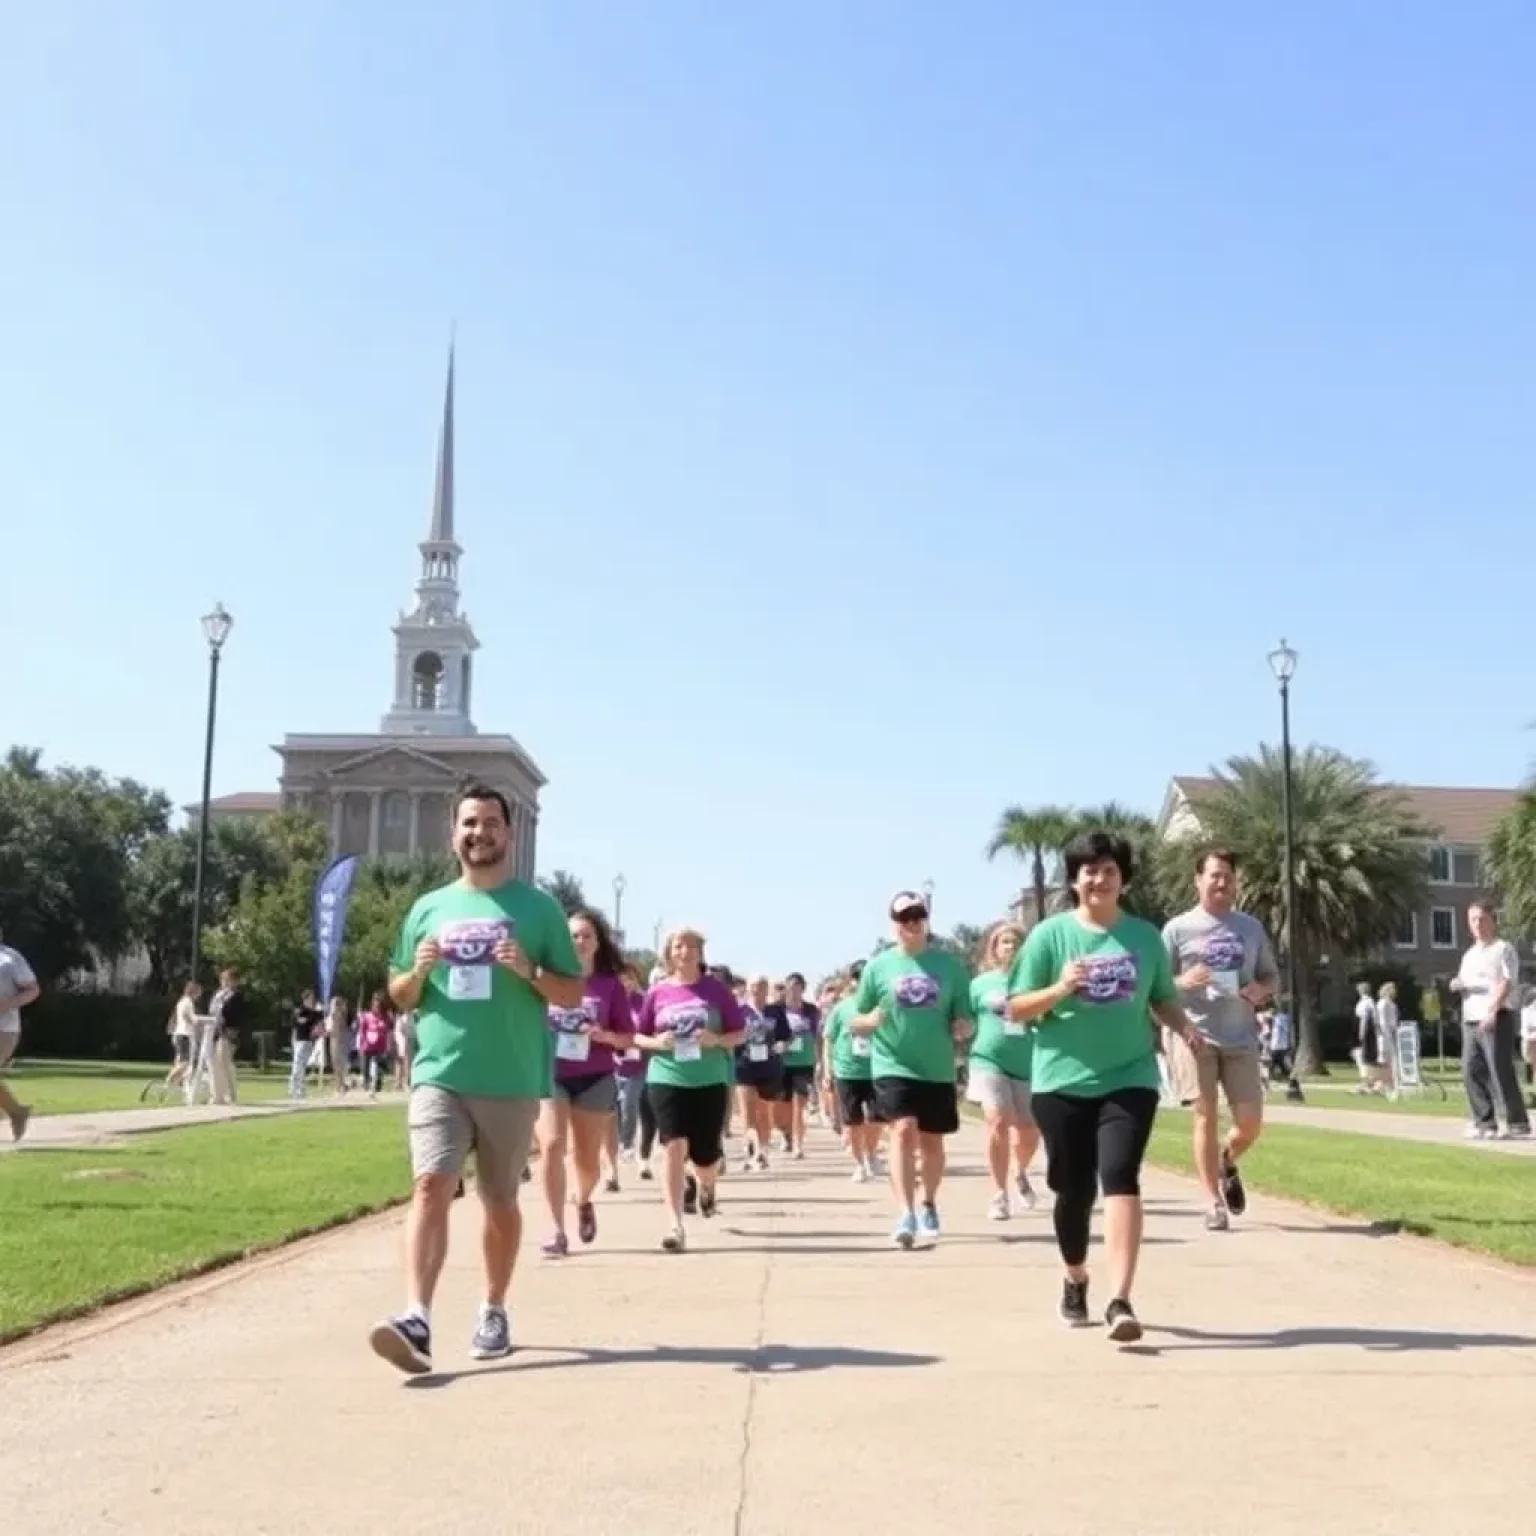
column 578, row 1114
column 799, row 1059
column 631, row 1072
column 1224, row 969
column 18, row 989
column 183, row 1035
column 850, row 1065
column 1087, row 980
column 999, row 1072
column 689, row 1024
column 759, row 1071
column 481, row 960
column 916, row 1002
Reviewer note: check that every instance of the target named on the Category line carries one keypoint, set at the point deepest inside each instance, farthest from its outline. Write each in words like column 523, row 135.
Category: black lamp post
column 619, row 885
column 1282, row 662
column 216, row 627
column 928, row 896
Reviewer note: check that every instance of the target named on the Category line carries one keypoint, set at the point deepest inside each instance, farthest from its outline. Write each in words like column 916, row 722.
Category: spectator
column 375, row 1035
column 306, row 1028
column 18, row 990
column 231, row 1015
column 1489, row 982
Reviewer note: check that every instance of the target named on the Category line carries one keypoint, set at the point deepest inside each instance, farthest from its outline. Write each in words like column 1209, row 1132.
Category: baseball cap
column 908, row 904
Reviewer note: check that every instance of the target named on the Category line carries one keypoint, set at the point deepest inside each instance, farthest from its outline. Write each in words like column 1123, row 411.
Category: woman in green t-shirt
column 1090, row 981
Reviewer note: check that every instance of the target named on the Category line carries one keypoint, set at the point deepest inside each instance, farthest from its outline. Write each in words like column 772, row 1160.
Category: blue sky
column 870, row 414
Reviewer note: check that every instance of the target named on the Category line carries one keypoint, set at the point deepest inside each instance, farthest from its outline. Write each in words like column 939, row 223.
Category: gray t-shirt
column 15, row 977
column 1237, row 951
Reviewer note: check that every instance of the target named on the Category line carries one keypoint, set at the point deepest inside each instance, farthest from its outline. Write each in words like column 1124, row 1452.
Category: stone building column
column 375, row 802
column 415, row 843
column 336, row 799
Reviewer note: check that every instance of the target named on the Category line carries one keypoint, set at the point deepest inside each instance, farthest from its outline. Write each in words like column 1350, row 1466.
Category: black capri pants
column 693, row 1115
column 1089, row 1142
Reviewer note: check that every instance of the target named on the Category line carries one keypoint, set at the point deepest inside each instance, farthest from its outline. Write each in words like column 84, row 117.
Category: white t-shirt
column 1482, row 967
column 186, row 1019
column 1528, row 1021
column 1365, row 1013
column 15, row 977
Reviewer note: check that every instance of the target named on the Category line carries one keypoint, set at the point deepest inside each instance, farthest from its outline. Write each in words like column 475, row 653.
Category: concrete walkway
column 1443, row 1130
column 793, row 1373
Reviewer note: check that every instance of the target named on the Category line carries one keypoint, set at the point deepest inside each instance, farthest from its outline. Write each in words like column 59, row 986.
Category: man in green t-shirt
column 914, row 1002
column 481, row 961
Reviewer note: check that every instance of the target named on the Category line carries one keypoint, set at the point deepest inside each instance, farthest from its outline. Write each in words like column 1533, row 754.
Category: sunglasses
column 912, row 916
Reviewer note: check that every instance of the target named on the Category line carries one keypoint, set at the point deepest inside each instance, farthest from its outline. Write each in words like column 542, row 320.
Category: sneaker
column 1518, row 1133
column 1478, row 1133
column 762, row 1162
column 611, row 1185
column 861, row 1174
column 493, row 1335
column 586, row 1221
column 19, row 1121
column 1026, row 1191
column 690, row 1196
column 1000, row 1209
column 928, row 1221
column 556, row 1246
column 748, row 1163
column 905, row 1234
column 406, row 1342
column 1233, row 1194
column 707, row 1201
column 1122, row 1322
column 1073, row 1306
column 1216, row 1218
column 645, row 1172
column 675, row 1241
column 799, row 1154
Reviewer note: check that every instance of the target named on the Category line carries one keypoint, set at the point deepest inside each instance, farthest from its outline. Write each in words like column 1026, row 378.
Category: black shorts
column 181, row 1045
column 694, row 1115
column 856, row 1100
column 764, row 1077
column 1095, row 1143
column 796, row 1083
column 933, row 1105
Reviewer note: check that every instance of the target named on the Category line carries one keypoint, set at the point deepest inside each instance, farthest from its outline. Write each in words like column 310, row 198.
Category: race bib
column 468, row 948
column 758, row 1051
column 860, row 1045
column 686, row 1049
column 1013, row 1027
column 632, row 1054
column 1225, row 983
column 570, row 1046
column 469, row 983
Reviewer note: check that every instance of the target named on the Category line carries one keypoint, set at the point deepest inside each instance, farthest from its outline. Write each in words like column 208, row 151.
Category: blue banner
column 333, row 892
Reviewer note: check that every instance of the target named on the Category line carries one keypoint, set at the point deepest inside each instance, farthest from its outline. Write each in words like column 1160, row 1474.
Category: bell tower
column 434, row 644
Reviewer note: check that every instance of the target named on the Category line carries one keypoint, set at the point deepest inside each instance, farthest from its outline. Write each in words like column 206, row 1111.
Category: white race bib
column 632, row 1054
column 1225, row 983
column 686, row 1049
column 570, row 1046
column 860, row 1045
column 469, row 983
column 758, row 1051
column 1013, row 1027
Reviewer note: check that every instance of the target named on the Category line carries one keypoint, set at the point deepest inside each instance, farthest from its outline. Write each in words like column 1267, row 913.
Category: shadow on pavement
column 765, row 1360
column 1389, row 1340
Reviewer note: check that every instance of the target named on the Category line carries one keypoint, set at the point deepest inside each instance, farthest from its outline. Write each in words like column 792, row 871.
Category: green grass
column 1338, row 1094
column 79, row 1229
column 1456, row 1195
column 79, row 1087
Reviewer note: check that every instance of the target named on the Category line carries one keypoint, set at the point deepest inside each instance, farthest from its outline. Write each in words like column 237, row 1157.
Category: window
column 1407, row 935
column 1442, row 928
column 1440, row 866
column 1467, row 869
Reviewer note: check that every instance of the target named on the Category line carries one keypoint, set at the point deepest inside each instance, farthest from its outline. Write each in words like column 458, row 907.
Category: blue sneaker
column 906, row 1231
column 929, row 1221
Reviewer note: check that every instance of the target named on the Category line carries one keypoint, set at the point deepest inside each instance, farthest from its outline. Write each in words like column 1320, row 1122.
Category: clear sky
column 870, row 414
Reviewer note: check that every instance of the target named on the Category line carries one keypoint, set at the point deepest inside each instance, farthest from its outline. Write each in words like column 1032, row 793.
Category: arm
column 554, row 970
column 1163, row 1004
column 617, row 1029
column 962, row 1017
column 866, row 1014
column 1266, row 974
column 414, row 959
column 646, row 1038
column 1509, row 969
column 734, row 1026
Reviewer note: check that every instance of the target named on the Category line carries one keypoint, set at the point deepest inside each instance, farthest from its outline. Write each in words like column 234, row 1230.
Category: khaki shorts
column 1239, row 1074
column 445, row 1125
column 1001, row 1095
column 8, row 1045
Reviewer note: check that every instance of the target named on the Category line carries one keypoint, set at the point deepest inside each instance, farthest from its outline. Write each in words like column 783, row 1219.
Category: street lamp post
column 216, row 628
column 1282, row 662
column 619, row 884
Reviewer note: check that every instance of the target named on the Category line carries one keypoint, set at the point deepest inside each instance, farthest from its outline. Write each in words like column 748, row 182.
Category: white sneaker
column 1001, row 1208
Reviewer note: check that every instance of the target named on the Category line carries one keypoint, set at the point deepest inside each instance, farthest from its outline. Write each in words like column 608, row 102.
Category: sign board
column 1408, row 1055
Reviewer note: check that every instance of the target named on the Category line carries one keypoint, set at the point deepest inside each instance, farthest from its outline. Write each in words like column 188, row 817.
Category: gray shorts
column 595, row 1094
column 8, row 1044
column 444, row 1126
column 1000, row 1094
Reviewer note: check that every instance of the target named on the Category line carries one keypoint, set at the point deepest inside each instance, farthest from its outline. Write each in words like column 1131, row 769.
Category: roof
column 1463, row 816
column 244, row 800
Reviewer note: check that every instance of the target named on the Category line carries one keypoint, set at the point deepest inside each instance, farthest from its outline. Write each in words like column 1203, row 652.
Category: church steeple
column 434, row 642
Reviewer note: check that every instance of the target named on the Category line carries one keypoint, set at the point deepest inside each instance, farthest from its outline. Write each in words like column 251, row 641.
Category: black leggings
column 1089, row 1141
column 647, row 1125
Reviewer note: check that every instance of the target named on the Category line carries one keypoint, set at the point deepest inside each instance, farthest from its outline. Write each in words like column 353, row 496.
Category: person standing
column 375, row 1036
column 18, row 989
column 481, row 960
column 1367, row 1034
column 1090, row 981
column 1489, row 982
column 338, row 1041
column 305, row 1029
column 915, row 1000
column 231, row 1011
column 1224, row 969
column 999, row 1072
column 183, row 1031
column 1388, row 1018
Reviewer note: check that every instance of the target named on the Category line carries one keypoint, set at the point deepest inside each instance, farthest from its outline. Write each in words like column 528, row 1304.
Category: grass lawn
column 1336, row 1093
column 1451, row 1193
column 79, row 1229
column 75, row 1087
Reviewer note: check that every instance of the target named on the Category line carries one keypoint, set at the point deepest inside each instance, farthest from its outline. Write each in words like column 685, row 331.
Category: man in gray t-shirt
column 18, row 989
column 1224, row 967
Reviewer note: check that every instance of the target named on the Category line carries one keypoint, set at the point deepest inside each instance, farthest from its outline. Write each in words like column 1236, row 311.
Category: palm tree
column 565, row 888
column 1035, row 836
column 1360, row 862
column 1512, row 864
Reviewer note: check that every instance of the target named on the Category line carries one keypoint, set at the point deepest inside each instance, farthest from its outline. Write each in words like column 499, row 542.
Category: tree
column 565, row 888
column 643, row 962
column 1512, row 865
column 1360, row 863
column 1036, row 837
column 964, row 940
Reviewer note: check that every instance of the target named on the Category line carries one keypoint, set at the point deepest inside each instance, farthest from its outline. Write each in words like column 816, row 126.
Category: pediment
column 395, row 765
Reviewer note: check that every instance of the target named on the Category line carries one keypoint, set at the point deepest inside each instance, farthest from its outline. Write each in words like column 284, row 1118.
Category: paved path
column 792, row 1372
column 1441, row 1129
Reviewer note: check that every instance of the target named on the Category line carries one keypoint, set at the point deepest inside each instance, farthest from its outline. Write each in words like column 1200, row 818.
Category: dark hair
column 475, row 790
column 855, row 970
column 1093, row 848
column 721, row 973
column 1205, row 856
column 796, row 977
column 609, row 959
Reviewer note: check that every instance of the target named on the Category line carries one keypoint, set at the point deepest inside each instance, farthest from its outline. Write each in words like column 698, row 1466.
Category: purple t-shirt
column 683, row 1009
column 632, row 1063
column 604, row 1005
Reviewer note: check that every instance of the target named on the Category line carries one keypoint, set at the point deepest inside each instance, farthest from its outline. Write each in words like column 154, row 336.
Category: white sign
column 1408, row 1055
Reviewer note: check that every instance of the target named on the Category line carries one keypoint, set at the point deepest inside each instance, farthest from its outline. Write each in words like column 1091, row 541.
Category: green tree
column 1036, row 837
column 565, row 888
column 1511, row 856
column 643, row 961
column 1360, row 861
column 381, row 899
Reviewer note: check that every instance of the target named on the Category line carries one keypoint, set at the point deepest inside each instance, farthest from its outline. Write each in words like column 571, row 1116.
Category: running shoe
column 1073, row 1306
column 762, row 1162
column 556, row 1246
column 645, row 1172
column 928, row 1221
column 675, row 1241
column 20, row 1120
column 1026, row 1191
column 493, row 1335
column 707, row 1201
column 586, row 1221
column 1000, row 1209
column 406, row 1342
column 1124, row 1328
column 1234, row 1196
column 748, row 1163
column 1216, row 1218
column 690, row 1196
column 1518, row 1133
column 905, row 1234
column 611, row 1187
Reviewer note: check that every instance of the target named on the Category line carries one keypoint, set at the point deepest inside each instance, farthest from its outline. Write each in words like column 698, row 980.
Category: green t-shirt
column 1101, row 1039
column 850, row 1054
column 1000, row 1046
column 923, row 995
column 480, row 1030
column 801, row 1050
